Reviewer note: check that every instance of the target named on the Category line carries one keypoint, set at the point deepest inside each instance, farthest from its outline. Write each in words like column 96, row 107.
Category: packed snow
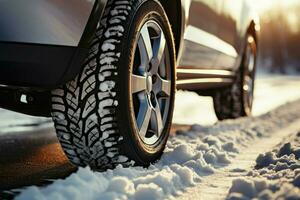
column 189, row 156
column 276, row 175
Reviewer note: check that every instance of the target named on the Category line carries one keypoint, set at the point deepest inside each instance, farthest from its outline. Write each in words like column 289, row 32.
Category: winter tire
column 237, row 100
column 119, row 109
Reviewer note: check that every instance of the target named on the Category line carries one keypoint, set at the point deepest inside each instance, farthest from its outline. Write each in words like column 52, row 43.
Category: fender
column 91, row 26
column 185, row 7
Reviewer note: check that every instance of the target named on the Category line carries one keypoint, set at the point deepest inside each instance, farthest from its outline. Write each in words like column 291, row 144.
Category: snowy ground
column 271, row 91
column 275, row 176
column 194, row 159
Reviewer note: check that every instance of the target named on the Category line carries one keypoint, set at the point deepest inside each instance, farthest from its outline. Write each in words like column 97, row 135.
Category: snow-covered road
column 194, row 158
column 276, row 174
column 217, row 185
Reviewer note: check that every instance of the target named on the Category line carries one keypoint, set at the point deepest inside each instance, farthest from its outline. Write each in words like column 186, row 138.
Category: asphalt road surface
column 31, row 157
column 34, row 157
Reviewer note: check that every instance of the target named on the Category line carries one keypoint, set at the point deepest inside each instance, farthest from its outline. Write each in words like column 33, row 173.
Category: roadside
column 193, row 162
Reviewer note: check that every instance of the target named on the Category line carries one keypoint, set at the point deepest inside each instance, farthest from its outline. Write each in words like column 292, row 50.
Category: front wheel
column 119, row 109
column 237, row 100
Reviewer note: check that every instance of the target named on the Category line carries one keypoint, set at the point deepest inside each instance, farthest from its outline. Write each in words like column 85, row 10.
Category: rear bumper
column 38, row 66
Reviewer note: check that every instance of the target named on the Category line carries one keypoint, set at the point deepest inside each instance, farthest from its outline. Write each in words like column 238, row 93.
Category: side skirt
column 203, row 79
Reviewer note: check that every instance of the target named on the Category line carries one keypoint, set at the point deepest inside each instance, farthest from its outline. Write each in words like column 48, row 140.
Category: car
column 106, row 71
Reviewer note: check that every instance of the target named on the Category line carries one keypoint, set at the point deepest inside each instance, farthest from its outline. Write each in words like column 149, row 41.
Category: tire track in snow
column 217, row 185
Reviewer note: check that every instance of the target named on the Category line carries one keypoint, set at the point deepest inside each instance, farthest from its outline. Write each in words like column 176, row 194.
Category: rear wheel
column 119, row 108
column 237, row 100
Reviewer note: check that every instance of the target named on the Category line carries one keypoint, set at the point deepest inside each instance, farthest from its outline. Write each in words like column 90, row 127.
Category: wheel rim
column 249, row 73
column 151, row 83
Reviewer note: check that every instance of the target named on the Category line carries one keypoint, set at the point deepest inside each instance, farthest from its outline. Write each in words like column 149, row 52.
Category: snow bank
column 276, row 175
column 188, row 156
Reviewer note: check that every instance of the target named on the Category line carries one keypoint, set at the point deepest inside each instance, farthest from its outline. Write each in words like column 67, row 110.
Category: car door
column 199, row 46
column 229, row 34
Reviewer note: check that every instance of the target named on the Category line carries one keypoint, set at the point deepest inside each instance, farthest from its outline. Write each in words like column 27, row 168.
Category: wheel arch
column 93, row 21
column 174, row 13
column 254, row 29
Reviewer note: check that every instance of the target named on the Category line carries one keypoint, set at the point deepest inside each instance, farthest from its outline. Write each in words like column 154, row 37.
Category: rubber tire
column 228, row 102
column 93, row 113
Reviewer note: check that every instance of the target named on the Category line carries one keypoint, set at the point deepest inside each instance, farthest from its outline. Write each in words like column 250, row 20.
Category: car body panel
column 214, row 33
column 49, row 22
column 214, row 39
column 201, row 25
column 237, row 17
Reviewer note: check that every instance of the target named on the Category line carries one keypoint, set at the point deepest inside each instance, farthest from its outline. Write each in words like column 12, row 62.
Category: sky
column 262, row 5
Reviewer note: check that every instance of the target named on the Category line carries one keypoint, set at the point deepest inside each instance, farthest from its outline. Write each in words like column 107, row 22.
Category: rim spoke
column 251, row 64
column 158, row 49
column 138, row 83
column 145, row 46
column 144, row 117
column 249, row 61
column 166, row 87
column 163, row 87
column 159, row 120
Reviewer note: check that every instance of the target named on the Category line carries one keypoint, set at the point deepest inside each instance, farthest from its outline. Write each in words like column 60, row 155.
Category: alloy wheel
column 249, row 75
column 151, row 83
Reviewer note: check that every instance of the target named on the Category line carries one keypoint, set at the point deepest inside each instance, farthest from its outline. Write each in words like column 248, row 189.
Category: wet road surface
column 34, row 157
column 31, row 157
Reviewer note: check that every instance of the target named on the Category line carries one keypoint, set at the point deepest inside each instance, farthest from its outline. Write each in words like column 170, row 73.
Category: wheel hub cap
column 149, row 83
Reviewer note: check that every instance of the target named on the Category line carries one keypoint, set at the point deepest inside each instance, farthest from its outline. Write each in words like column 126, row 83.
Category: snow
column 190, row 108
column 108, row 46
column 189, row 157
column 115, row 30
column 276, row 175
column 107, row 86
column 271, row 91
column 14, row 122
column 148, row 192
